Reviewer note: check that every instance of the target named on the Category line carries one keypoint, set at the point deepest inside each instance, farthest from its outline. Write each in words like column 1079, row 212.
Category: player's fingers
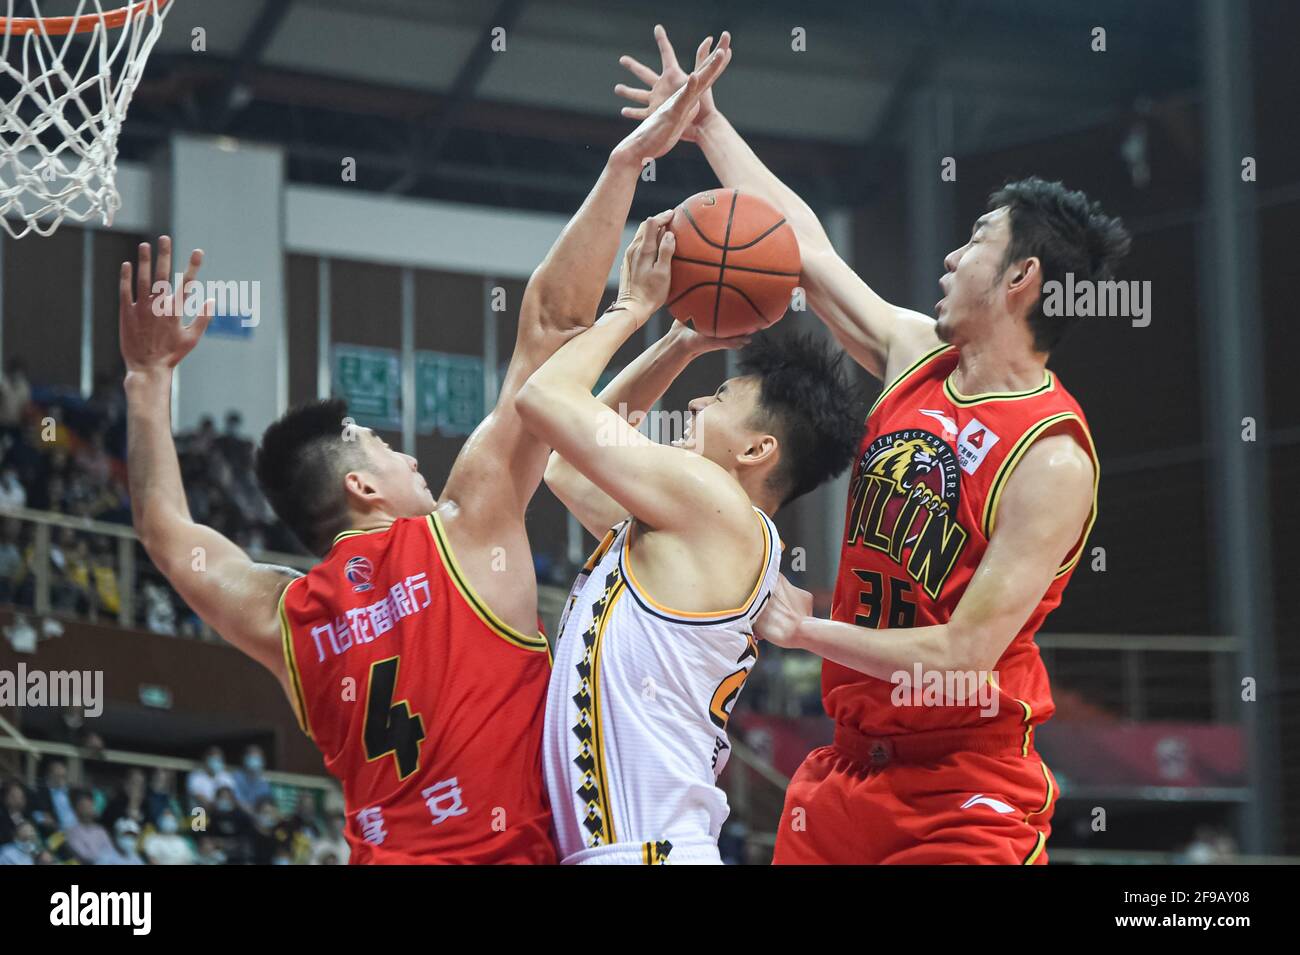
column 143, row 272
column 638, row 69
column 702, row 51
column 712, row 68
column 667, row 245
column 629, row 92
column 724, row 41
column 191, row 271
column 164, row 266
column 124, row 301
column 665, row 48
column 201, row 321
column 635, row 112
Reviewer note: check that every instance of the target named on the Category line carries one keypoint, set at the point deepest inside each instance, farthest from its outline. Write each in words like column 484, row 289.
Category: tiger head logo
column 905, row 462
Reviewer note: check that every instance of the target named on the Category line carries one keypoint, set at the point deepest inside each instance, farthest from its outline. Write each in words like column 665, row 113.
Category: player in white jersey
column 648, row 664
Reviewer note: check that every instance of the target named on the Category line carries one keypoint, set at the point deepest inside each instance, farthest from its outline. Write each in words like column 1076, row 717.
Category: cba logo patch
column 358, row 571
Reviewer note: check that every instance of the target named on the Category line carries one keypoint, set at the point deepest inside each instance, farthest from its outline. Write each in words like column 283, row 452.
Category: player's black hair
column 807, row 402
column 301, row 464
column 1068, row 232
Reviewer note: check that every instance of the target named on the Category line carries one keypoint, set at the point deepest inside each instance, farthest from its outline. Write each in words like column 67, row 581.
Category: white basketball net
column 62, row 102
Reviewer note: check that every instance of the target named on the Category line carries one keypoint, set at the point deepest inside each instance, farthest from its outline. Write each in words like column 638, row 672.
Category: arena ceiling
column 411, row 89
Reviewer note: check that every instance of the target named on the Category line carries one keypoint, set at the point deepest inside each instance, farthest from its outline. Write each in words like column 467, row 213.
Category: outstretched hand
column 645, row 276
column 674, row 111
column 670, row 78
column 151, row 326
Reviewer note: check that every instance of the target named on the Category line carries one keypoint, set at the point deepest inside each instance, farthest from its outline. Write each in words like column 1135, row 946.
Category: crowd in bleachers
column 118, row 816
column 62, row 453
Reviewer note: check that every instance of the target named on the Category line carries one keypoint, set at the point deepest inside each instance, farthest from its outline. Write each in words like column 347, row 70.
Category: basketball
column 735, row 266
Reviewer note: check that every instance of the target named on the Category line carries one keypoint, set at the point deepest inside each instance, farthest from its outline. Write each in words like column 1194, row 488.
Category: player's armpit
column 1041, row 515
column 234, row 595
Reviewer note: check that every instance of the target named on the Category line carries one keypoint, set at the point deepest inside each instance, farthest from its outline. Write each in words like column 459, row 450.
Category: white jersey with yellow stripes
column 637, row 710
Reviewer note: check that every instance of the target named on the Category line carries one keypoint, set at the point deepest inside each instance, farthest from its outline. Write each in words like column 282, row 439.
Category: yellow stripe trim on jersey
column 1038, row 850
column 598, row 729
column 1051, row 792
column 533, row 642
column 693, row 615
column 358, row 533
column 296, row 699
column 889, row 389
column 965, row 401
column 1012, row 459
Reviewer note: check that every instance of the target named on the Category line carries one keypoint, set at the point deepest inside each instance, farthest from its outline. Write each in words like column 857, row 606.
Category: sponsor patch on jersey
column 359, row 572
column 973, row 444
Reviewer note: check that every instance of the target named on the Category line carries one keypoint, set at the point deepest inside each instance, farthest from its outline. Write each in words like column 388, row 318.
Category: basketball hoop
column 65, row 85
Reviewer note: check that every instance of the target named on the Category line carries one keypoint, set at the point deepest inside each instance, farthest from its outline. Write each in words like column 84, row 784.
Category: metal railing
column 125, row 569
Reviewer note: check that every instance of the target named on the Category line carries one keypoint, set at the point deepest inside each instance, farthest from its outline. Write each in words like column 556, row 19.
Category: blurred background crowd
column 215, row 815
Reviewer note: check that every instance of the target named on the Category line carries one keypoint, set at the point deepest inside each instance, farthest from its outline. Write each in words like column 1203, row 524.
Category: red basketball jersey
column 427, row 708
column 922, row 505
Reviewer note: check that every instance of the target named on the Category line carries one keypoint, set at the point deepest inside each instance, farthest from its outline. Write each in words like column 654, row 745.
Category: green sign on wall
column 448, row 389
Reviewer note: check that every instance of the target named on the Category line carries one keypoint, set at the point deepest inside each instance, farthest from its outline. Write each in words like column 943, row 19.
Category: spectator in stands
column 271, row 835
column 231, row 827
column 166, row 845
column 131, row 803
column 13, row 809
column 159, row 611
column 305, row 817
column 161, row 796
column 103, row 578
column 12, row 492
column 209, row 853
column 15, row 393
column 212, row 775
column 52, row 808
column 250, row 785
column 87, row 838
column 24, row 848
column 126, row 844
column 332, row 847
column 13, row 566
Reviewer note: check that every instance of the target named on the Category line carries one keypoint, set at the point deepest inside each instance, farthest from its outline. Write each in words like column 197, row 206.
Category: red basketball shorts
column 956, row 798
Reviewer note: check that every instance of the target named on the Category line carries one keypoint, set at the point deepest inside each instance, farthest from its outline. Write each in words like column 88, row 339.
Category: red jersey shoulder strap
column 296, row 697
column 909, row 372
column 1062, row 420
column 524, row 641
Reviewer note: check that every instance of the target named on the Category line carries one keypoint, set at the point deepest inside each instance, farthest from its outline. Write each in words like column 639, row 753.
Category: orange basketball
column 735, row 265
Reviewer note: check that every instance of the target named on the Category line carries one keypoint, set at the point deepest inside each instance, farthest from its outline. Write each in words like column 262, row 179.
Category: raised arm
column 234, row 595
column 665, row 488
column 631, row 394
column 501, row 464
column 881, row 337
column 1041, row 515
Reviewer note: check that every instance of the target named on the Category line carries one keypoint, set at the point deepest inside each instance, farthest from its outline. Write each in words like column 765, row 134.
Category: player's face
column 720, row 426
column 395, row 478
column 971, row 283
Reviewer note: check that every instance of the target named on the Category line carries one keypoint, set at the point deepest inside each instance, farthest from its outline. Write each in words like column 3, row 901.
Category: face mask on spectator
column 225, row 804
column 215, row 764
column 254, row 763
column 267, row 819
column 126, row 844
column 168, row 824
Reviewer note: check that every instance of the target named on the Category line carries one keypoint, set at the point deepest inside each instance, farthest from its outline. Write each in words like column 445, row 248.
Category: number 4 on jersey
column 391, row 727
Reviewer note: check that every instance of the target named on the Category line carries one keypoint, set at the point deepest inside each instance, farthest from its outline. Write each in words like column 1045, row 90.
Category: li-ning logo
column 358, row 571
column 75, row 907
